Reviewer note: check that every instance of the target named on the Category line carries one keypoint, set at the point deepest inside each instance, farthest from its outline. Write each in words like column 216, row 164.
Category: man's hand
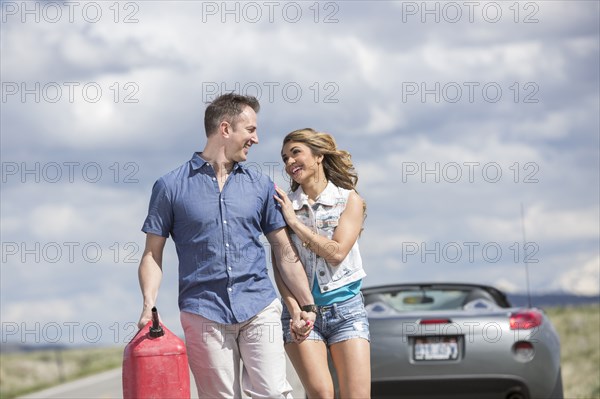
column 308, row 316
column 301, row 324
column 145, row 317
column 300, row 329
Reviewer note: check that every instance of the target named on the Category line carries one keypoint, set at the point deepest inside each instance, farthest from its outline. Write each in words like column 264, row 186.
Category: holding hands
column 301, row 324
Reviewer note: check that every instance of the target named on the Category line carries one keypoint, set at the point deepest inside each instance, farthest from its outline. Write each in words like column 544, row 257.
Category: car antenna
column 525, row 259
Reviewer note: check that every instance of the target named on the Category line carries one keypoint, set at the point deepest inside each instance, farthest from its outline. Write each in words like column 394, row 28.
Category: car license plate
column 436, row 348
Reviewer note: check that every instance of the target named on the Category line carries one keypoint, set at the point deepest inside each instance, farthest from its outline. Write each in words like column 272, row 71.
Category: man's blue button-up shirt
column 222, row 265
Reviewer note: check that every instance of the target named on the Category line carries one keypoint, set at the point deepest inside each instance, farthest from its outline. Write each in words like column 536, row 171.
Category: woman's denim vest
column 323, row 217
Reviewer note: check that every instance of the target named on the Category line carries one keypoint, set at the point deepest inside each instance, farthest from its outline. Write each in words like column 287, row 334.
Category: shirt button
column 326, row 288
column 227, row 244
column 229, row 268
column 229, row 289
column 321, row 273
column 224, row 221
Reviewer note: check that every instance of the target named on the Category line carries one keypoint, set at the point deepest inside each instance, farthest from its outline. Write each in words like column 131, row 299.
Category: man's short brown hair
column 227, row 107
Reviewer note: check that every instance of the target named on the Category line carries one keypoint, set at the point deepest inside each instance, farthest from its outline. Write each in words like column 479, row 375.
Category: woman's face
column 300, row 163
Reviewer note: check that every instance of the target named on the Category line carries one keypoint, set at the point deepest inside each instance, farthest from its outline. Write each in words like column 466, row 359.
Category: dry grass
column 24, row 372
column 579, row 331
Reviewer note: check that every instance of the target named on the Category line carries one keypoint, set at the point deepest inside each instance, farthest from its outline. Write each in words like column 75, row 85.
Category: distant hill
column 11, row 347
column 553, row 299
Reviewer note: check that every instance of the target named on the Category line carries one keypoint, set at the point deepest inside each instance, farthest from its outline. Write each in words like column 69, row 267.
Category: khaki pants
column 215, row 350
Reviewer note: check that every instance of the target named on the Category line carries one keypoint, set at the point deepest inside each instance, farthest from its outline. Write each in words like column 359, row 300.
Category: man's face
column 243, row 135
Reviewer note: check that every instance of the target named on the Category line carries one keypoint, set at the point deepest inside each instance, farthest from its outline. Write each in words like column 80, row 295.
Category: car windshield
column 429, row 299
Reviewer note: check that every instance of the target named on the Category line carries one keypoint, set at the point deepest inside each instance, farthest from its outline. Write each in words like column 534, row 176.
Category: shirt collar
column 327, row 197
column 198, row 162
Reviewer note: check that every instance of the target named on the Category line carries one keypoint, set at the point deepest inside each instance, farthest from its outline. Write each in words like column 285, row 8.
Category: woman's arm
column 346, row 233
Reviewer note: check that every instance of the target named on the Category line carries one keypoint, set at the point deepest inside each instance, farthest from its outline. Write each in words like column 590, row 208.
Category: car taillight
column 525, row 320
column 435, row 321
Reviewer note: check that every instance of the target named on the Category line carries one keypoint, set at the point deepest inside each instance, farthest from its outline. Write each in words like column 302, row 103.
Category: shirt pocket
column 341, row 272
column 327, row 223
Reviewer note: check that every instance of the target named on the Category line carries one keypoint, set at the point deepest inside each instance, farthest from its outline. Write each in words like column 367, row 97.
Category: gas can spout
column 156, row 330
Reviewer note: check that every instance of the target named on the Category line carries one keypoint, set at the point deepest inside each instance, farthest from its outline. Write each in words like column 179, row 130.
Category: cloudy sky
column 459, row 115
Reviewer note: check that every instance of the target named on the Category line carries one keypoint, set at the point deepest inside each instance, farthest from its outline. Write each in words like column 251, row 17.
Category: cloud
column 506, row 285
column 583, row 277
column 79, row 211
column 542, row 224
column 514, row 60
column 384, row 119
column 551, row 225
column 41, row 310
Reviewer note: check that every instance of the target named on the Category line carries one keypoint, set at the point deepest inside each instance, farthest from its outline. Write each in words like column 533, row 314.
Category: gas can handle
column 156, row 330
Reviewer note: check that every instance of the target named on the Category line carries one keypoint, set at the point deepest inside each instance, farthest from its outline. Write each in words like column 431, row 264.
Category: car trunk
column 448, row 342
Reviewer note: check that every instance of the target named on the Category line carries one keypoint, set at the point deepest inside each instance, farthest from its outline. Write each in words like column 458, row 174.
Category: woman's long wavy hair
column 337, row 164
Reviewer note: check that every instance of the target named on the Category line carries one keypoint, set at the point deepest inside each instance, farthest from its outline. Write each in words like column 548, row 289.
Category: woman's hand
column 300, row 328
column 286, row 205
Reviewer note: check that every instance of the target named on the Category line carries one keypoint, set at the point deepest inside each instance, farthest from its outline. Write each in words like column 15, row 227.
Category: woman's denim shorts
column 335, row 323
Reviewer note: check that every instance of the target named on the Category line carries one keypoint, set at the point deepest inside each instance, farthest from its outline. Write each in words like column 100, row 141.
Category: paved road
column 107, row 385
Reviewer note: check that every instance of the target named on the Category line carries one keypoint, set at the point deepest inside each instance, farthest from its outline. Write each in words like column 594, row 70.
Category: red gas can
column 155, row 364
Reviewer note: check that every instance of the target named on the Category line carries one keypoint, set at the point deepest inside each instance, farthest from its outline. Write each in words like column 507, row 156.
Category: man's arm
column 289, row 266
column 150, row 275
column 299, row 329
column 290, row 302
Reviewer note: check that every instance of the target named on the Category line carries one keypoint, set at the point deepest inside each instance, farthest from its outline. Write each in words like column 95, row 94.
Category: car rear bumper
column 449, row 387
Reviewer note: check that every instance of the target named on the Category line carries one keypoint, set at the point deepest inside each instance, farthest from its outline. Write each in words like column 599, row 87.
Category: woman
column 325, row 215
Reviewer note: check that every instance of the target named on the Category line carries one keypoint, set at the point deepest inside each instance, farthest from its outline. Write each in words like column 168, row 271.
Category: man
column 215, row 209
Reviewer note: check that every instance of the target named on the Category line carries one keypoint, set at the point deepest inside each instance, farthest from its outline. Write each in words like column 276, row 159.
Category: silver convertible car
column 459, row 341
